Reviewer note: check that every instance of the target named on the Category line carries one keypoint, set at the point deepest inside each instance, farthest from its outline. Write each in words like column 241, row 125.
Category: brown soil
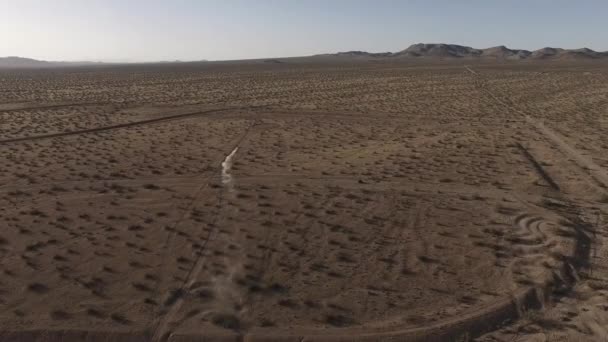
column 319, row 201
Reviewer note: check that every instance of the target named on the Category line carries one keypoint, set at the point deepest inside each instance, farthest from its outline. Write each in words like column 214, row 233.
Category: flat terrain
column 304, row 200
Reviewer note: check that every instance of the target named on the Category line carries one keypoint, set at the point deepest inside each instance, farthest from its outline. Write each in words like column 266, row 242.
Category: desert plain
column 305, row 200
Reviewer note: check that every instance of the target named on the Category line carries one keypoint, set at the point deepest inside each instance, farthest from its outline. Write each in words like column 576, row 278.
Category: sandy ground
column 309, row 201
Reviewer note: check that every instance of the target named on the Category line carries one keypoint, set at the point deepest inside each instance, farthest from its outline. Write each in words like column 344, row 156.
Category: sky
column 155, row 30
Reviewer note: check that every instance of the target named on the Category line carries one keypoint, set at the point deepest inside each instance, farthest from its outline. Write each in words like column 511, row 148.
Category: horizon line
column 177, row 60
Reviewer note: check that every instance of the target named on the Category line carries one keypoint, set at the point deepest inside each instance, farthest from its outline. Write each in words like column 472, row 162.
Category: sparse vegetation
column 360, row 194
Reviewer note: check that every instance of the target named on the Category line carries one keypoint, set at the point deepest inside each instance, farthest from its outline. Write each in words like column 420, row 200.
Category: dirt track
column 365, row 201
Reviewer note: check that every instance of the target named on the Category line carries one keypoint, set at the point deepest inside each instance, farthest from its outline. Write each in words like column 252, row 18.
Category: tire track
column 599, row 174
column 162, row 329
column 539, row 169
column 532, row 228
column 126, row 125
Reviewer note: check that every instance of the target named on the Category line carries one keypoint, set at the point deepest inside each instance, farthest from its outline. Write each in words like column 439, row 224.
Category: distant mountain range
column 436, row 51
column 14, row 62
column 21, row 62
column 458, row 51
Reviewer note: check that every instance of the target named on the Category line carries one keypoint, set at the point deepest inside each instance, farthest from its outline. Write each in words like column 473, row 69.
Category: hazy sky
column 147, row 30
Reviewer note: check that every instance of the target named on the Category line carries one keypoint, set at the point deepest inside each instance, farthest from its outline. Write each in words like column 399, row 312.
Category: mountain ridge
column 501, row 52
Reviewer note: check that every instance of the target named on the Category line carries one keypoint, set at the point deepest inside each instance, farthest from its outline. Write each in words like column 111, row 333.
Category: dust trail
column 228, row 297
column 227, row 178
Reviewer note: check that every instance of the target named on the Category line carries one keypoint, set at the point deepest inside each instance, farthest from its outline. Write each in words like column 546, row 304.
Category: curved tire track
column 533, row 227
